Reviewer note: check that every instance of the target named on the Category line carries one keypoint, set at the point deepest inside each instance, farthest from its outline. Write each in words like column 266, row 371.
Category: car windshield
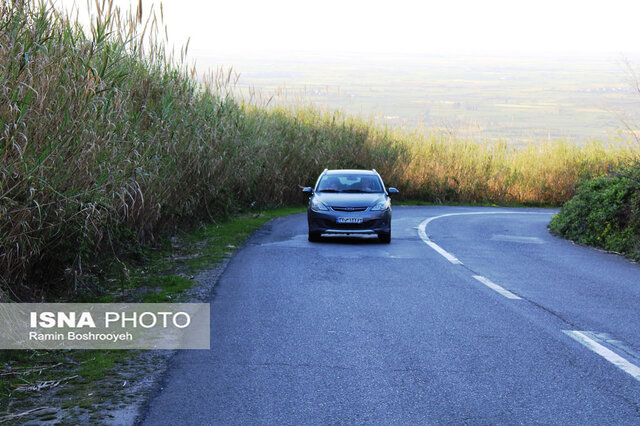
column 349, row 183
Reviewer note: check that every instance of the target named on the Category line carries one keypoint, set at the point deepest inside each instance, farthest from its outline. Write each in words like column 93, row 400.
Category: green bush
column 605, row 212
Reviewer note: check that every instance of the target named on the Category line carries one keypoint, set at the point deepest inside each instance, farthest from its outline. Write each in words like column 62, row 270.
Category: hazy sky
column 492, row 26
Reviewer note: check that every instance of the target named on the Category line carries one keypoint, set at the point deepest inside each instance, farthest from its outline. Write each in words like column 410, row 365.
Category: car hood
column 349, row 199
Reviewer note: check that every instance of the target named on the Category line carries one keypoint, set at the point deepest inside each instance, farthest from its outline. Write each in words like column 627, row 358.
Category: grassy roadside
column 80, row 381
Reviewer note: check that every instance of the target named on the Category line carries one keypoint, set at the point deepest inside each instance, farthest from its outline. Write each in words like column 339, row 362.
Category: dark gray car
column 349, row 202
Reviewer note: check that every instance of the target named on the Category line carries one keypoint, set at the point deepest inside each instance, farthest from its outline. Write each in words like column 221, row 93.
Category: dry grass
column 105, row 139
column 444, row 168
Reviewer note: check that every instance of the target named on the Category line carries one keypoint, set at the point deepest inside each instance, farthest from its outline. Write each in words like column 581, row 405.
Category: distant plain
column 515, row 99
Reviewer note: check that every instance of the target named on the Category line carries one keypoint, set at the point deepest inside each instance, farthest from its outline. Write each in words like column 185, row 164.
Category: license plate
column 349, row 220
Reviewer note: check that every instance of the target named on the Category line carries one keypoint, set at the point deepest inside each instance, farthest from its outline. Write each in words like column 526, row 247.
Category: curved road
column 477, row 316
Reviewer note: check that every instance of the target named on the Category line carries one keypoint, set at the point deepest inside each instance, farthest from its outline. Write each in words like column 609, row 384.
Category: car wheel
column 385, row 237
column 314, row 237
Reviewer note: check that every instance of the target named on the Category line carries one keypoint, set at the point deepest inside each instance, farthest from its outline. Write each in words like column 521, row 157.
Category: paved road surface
column 481, row 318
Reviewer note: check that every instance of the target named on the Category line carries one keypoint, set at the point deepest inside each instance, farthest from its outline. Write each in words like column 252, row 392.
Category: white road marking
column 423, row 235
column 422, row 232
column 495, row 287
column 604, row 352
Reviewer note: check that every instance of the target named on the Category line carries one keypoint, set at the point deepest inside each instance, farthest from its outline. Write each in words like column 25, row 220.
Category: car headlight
column 318, row 206
column 382, row 205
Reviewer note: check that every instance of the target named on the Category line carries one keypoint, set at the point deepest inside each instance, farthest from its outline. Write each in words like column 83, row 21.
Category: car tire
column 385, row 237
column 314, row 237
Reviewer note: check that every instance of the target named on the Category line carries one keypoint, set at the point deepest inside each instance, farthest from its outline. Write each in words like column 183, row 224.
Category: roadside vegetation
column 83, row 385
column 604, row 213
column 108, row 141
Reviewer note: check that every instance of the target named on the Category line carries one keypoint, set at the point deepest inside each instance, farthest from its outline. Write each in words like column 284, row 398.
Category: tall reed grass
column 106, row 138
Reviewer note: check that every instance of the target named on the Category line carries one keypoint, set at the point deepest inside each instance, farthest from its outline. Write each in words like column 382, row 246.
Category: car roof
column 350, row 172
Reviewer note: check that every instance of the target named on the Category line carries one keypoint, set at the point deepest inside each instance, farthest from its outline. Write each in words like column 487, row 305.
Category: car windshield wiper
column 359, row 191
column 329, row 190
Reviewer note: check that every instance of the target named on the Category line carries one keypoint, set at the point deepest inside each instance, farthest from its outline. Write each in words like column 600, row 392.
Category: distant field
column 518, row 100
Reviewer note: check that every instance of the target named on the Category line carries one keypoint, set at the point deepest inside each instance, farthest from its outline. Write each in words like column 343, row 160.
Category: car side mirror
column 392, row 191
column 307, row 190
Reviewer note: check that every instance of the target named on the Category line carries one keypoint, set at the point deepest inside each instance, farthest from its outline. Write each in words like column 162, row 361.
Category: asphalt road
column 483, row 318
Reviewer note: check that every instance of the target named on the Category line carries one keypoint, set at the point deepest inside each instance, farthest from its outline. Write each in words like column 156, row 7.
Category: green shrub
column 604, row 213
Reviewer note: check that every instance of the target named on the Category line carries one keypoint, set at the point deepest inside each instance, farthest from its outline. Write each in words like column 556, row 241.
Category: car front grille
column 348, row 209
column 368, row 224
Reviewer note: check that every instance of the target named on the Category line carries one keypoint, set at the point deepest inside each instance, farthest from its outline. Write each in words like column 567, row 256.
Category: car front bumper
column 326, row 222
